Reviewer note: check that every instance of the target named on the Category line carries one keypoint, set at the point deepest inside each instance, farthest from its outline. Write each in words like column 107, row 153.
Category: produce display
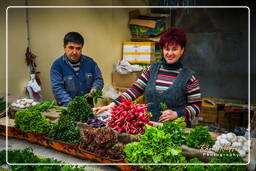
column 149, row 144
column 231, row 141
column 198, row 137
column 129, row 117
column 79, row 109
column 29, row 120
column 24, row 103
column 102, row 141
column 65, row 129
column 27, row 156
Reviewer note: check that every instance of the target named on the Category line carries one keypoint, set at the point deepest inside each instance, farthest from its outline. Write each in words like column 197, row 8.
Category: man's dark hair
column 74, row 37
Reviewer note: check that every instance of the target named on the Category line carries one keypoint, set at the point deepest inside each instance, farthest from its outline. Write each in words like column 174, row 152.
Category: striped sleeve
column 136, row 90
column 193, row 93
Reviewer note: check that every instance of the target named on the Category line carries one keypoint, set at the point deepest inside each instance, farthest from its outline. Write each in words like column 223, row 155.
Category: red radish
column 129, row 117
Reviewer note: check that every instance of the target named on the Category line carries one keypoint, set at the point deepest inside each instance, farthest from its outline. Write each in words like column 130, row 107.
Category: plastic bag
column 124, row 67
column 34, row 90
column 111, row 93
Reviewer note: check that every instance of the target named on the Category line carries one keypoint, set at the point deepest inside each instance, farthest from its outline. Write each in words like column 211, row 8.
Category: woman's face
column 172, row 53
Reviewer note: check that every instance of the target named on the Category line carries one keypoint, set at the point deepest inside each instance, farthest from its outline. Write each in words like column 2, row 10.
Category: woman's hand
column 99, row 110
column 168, row 115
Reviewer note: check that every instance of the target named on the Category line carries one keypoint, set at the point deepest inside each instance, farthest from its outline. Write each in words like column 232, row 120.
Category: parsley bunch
column 79, row 109
column 32, row 121
column 198, row 137
column 65, row 129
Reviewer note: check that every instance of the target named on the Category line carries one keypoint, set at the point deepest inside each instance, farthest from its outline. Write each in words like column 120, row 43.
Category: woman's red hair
column 173, row 36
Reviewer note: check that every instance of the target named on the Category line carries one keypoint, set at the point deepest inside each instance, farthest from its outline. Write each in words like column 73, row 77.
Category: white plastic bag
column 34, row 90
column 111, row 93
column 124, row 67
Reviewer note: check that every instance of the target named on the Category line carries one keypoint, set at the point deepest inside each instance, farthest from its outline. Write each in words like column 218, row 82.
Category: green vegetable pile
column 2, row 105
column 198, row 137
column 27, row 156
column 32, row 121
column 44, row 106
column 176, row 129
column 155, row 146
column 79, row 109
column 65, row 129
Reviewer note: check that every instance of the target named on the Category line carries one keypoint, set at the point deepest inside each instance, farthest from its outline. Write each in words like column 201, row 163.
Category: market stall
column 125, row 136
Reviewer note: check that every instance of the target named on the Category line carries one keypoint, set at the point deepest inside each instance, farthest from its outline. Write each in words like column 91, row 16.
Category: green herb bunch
column 79, row 109
column 65, row 129
column 27, row 156
column 32, row 121
column 198, row 137
column 155, row 146
column 44, row 106
column 176, row 130
column 163, row 106
column 95, row 95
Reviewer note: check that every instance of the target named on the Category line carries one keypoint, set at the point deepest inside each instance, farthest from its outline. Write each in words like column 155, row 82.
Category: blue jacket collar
column 65, row 58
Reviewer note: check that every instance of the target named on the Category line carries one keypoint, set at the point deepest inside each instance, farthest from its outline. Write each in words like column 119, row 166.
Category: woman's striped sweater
column 166, row 78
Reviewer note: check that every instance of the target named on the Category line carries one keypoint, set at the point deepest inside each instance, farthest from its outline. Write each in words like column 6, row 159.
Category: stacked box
column 208, row 114
column 124, row 80
column 139, row 52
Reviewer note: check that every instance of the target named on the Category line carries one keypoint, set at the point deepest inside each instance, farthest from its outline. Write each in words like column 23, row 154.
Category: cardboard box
column 139, row 52
column 124, row 80
column 149, row 25
column 208, row 113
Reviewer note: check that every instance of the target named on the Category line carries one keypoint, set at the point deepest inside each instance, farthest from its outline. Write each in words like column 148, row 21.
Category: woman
column 166, row 82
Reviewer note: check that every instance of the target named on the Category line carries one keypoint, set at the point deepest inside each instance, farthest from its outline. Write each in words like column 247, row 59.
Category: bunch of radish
column 130, row 118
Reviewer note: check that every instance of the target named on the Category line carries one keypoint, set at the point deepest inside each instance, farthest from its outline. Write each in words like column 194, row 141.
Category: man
column 74, row 74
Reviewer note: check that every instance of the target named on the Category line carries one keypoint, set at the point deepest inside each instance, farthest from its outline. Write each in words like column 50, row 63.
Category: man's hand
column 168, row 115
column 91, row 92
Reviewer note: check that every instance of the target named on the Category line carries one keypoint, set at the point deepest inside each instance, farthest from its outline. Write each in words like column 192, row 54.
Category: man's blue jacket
column 66, row 84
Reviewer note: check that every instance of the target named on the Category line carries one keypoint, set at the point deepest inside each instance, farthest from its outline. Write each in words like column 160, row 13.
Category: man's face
column 73, row 51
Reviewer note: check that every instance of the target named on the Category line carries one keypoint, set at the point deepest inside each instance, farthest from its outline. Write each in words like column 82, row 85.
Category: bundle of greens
column 95, row 95
column 176, row 129
column 27, row 156
column 198, row 137
column 44, row 106
column 32, row 121
column 155, row 146
column 79, row 109
column 65, row 129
